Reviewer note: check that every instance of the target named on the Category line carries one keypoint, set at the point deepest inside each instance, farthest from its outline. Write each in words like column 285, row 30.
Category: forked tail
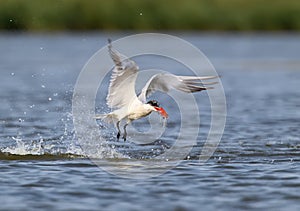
column 109, row 118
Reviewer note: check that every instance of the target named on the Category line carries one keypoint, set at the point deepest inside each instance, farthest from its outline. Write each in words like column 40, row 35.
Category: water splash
column 21, row 148
column 164, row 122
column 63, row 145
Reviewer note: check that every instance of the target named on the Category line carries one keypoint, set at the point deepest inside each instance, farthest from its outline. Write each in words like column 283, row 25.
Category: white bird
column 128, row 106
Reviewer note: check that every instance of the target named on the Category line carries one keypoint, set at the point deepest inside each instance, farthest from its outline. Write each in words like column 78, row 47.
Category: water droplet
column 49, row 98
column 55, row 94
column 141, row 13
column 12, row 74
column 31, row 106
column 43, row 86
column 41, row 48
column 25, row 112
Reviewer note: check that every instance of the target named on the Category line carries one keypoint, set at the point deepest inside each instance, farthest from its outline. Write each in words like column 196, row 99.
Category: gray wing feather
column 121, row 89
column 165, row 82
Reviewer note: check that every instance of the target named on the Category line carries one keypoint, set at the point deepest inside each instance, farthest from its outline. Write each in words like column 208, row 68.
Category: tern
column 122, row 98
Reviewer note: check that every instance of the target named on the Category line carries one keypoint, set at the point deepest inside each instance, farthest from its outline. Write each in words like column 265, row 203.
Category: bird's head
column 157, row 108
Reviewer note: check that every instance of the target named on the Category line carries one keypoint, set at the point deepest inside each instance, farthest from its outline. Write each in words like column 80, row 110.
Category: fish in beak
column 161, row 111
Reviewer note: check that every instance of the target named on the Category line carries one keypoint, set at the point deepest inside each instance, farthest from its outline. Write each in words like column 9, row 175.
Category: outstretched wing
column 121, row 91
column 165, row 82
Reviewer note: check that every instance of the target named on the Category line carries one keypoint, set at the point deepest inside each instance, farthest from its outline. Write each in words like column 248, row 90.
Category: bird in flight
column 123, row 99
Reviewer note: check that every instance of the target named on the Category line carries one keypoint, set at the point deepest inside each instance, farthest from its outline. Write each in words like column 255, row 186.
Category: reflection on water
column 255, row 166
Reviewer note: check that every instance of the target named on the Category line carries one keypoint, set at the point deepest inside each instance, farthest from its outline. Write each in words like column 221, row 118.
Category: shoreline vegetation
column 215, row 15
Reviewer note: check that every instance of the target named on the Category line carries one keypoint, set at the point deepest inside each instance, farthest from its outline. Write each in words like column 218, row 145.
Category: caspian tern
column 128, row 106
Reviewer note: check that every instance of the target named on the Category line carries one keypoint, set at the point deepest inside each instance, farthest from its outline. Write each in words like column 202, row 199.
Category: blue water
column 256, row 165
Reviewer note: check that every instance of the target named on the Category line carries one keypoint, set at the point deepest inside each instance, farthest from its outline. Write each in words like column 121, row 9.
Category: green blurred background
column 239, row 15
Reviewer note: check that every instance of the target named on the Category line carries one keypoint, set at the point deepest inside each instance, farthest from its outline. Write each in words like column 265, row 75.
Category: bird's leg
column 125, row 132
column 119, row 132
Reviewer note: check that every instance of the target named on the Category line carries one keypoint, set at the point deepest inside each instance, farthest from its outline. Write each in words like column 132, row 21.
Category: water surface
column 256, row 165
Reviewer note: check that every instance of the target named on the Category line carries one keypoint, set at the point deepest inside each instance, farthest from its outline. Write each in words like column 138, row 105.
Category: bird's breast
column 138, row 112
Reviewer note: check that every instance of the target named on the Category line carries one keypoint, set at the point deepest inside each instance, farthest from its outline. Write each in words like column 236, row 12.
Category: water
column 256, row 165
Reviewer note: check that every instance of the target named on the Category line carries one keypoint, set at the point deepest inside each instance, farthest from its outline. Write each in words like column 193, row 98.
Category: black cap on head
column 153, row 103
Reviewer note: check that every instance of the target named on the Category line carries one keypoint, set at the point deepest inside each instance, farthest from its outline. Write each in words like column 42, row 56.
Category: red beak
column 162, row 112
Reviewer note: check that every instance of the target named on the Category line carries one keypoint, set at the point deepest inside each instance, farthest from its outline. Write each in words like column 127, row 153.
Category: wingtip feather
column 109, row 43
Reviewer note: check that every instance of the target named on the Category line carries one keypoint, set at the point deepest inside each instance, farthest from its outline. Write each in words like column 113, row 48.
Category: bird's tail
column 109, row 118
